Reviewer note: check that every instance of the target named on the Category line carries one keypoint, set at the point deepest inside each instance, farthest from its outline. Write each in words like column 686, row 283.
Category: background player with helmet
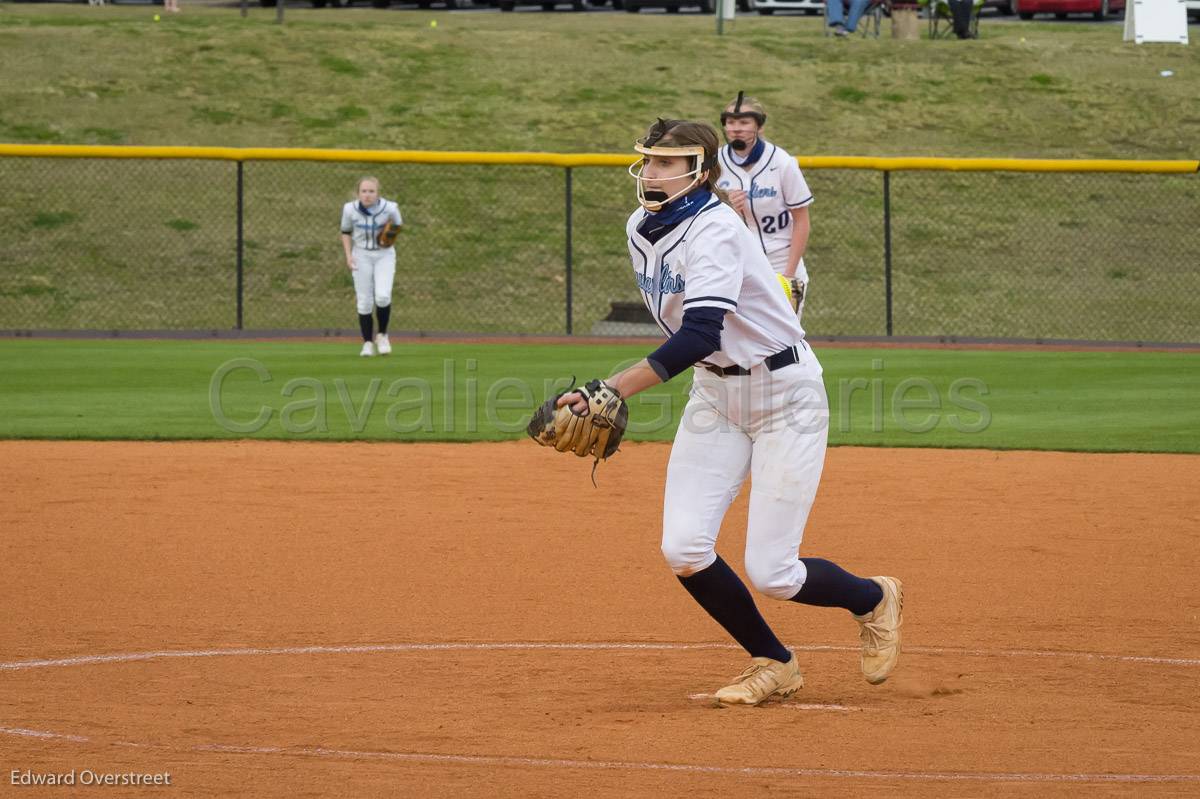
column 369, row 228
column 757, row 408
column 767, row 188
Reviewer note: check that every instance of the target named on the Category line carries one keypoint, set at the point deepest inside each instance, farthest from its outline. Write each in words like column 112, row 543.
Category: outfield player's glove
column 387, row 236
column 596, row 432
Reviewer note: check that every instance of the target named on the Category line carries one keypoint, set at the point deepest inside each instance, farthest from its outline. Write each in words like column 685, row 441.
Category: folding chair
column 872, row 18
column 870, row 21
column 941, row 20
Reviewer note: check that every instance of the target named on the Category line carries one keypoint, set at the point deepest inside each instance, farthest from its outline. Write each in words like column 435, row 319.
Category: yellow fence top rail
column 581, row 159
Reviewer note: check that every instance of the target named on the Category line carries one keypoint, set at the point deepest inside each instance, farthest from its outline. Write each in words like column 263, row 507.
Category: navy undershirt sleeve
column 698, row 337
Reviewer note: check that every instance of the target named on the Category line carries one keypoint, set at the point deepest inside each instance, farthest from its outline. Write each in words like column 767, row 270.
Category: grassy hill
column 580, row 82
column 151, row 244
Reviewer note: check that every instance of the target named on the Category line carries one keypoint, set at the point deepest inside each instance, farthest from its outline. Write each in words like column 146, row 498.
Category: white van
column 768, row 7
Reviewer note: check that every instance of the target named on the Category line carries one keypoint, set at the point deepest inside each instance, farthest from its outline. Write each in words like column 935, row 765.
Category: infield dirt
column 477, row 620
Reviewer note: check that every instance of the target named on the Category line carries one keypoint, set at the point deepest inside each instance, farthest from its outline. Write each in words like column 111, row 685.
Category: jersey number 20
column 769, row 223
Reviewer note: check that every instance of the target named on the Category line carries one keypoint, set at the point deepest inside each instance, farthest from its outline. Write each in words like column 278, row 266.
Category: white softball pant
column 374, row 273
column 770, row 425
column 779, row 261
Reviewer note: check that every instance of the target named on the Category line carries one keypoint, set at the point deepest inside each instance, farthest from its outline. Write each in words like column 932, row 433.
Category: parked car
column 672, row 6
column 548, row 5
column 768, row 7
column 1193, row 8
column 1099, row 9
column 743, row 5
column 376, row 3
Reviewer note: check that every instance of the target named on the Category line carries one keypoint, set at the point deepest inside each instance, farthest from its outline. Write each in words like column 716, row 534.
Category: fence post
column 887, row 247
column 568, row 253
column 240, row 206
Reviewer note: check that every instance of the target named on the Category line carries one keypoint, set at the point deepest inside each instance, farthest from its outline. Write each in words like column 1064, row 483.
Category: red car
column 1099, row 9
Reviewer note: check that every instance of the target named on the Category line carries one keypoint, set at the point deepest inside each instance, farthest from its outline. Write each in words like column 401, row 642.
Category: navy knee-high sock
column 383, row 313
column 365, row 323
column 831, row 586
column 723, row 595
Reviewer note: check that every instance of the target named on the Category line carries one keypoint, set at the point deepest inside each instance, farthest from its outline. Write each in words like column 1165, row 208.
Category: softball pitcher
column 757, row 408
column 371, row 258
column 766, row 186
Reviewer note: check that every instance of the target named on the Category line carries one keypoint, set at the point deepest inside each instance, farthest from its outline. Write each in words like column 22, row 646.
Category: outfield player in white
column 766, row 186
column 757, row 407
column 373, row 266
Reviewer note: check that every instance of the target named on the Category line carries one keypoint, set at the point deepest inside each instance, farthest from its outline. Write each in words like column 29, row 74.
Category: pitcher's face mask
column 652, row 189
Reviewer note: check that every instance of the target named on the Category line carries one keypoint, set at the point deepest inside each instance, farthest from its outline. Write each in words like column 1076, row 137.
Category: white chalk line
column 21, row 731
column 127, row 657
column 626, row 765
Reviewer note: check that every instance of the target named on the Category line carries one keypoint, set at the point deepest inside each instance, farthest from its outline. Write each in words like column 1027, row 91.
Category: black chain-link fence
column 114, row 244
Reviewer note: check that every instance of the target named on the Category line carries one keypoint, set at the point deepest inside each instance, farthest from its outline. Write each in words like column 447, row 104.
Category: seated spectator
column 835, row 12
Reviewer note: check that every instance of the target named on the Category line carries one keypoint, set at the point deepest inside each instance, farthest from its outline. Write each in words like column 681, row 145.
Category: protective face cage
column 655, row 199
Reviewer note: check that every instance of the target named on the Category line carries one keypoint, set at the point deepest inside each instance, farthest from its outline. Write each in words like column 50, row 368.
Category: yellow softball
column 787, row 287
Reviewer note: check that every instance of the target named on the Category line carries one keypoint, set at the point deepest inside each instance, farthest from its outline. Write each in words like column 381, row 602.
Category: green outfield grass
column 1095, row 401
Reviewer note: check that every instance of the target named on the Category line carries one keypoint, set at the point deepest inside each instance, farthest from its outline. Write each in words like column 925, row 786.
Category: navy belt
column 777, row 361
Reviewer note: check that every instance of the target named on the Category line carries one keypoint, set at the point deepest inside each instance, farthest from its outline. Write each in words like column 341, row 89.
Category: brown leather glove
column 387, row 236
column 597, row 432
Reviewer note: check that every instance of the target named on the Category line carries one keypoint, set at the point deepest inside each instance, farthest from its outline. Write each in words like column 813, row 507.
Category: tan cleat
column 762, row 680
column 880, row 632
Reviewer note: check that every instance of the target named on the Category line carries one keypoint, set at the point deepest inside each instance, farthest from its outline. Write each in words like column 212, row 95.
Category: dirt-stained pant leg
column 364, row 281
column 374, row 274
column 385, row 276
column 790, row 438
column 709, row 462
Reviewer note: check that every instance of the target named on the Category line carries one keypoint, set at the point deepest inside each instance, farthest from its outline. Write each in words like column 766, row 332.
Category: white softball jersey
column 363, row 225
column 713, row 260
column 774, row 187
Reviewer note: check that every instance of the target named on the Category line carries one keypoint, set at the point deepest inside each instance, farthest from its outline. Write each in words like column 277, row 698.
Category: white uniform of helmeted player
column 775, row 188
column 374, row 266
